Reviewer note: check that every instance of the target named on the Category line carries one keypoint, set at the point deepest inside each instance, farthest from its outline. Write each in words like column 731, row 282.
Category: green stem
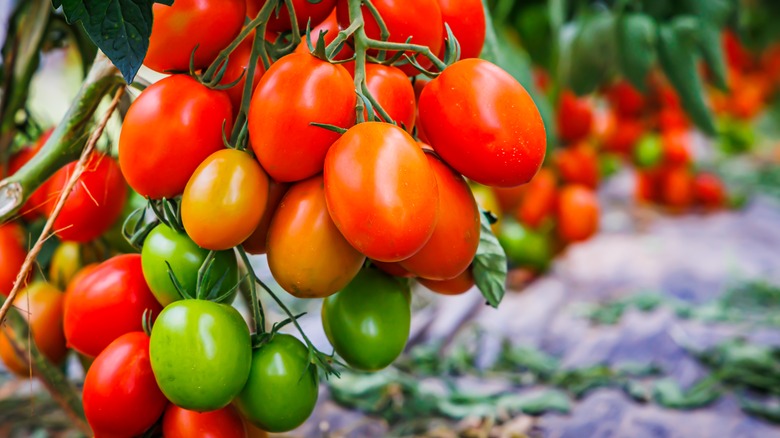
column 341, row 38
column 257, row 310
column 258, row 47
column 361, row 47
column 423, row 50
column 205, row 267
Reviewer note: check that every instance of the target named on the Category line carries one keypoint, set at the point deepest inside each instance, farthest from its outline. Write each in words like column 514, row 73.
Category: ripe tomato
column 676, row 187
column 578, row 213
column 578, row 164
column 538, row 204
column 466, row 19
column 646, row 188
column 454, row 286
column 525, row 247
column 201, row 353
column 393, row 268
column 222, row 423
column 164, row 244
column 625, row 99
column 106, row 301
column 393, row 90
column 622, row 134
column 224, row 200
column 35, row 205
column 168, row 131
column 41, row 305
column 676, row 147
column 455, row 237
column 509, row 197
column 12, row 253
column 420, row 19
column 238, row 64
column 94, row 204
column 381, row 191
column 178, row 29
column 575, row 117
column 671, row 118
column 282, row 372
column 306, row 11
column 708, row 190
column 121, row 397
column 256, row 242
column 368, row 321
column 307, row 254
column 482, row 122
column 297, row 90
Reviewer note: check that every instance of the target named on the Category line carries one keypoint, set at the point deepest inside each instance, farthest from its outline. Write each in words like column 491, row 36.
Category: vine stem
column 361, row 47
column 47, row 228
column 257, row 310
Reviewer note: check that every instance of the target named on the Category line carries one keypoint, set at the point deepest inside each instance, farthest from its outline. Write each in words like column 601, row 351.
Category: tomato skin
column 575, row 117
column 466, row 19
column 676, row 187
column 622, row 135
column 709, row 190
column 454, row 286
column 285, row 143
column 177, row 29
column 305, row 12
column 168, row 131
column 578, row 164
column 201, row 353
column 472, row 114
column 455, row 238
column 578, row 213
column 538, row 204
column 238, row 64
column 106, row 301
column 646, row 188
column 395, row 269
column 256, row 242
column 121, row 396
column 676, row 147
column 95, row 202
column 368, row 321
column 36, row 202
column 222, row 423
column 164, row 244
column 625, row 99
column 224, row 200
column 382, row 216
column 12, row 253
column 307, row 254
column 41, row 304
column 279, row 373
column 394, row 92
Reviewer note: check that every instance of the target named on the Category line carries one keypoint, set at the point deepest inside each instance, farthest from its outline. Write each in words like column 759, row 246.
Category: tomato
column 238, row 64
column 622, row 134
column 455, row 238
column 454, row 286
column 381, row 191
column 578, row 213
column 178, row 29
column 466, row 19
column 578, row 164
column 224, row 200
column 106, row 301
column 676, row 187
column 222, row 423
column 95, row 202
column 65, row 264
column 201, row 354
column 649, row 152
column 670, row 119
column 297, row 90
column 708, row 190
column 256, row 242
column 164, row 244
column 486, row 199
column 646, row 188
column 368, row 321
column 36, row 202
column 393, row 268
column 483, row 123
column 525, row 247
column 392, row 89
column 575, row 117
column 41, row 305
column 282, row 372
column 676, row 147
column 12, row 253
column 330, row 26
column 121, row 396
column 168, row 131
column 420, row 19
column 625, row 99
column 737, row 55
column 307, row 254
column 509, row 197
column 306, row 11
column 538, row 204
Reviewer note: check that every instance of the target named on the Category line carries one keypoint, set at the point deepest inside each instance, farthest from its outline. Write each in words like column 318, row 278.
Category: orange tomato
column 676, row 187
column 578, row 213
column 538, row 203
column 676, row 147
column 454, row 286
column 222, row 423
column 578, row 164
column 394, row 269
column 256, row 242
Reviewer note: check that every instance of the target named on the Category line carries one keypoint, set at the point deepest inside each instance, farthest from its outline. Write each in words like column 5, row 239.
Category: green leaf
column 669, row 394
column 490, row 265
column 636, row 52
column 713, row 54
column 593, row 53
column 120, row 28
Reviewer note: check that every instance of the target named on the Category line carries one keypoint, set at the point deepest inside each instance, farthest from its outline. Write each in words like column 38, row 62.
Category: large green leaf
column 490, row 265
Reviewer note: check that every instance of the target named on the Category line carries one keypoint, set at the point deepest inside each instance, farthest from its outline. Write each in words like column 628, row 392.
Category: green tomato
column 201, row 354
column 648, row 152
column 114, row 235
column 525, row 247
column 281, row 391
column 609, row 164
column 185, row 257
column 368, row 321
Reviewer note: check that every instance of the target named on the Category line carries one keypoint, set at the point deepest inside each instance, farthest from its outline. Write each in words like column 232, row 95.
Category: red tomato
column 393, row 90
column 671, row 119
column 578, row 213
column 238, row 63
column 297, row 90
column 381, row 191
column 223, row 423
column 483, row 123
column 575, row 117
column 177, row 29
column 676, row 184
column 454, row 286
column 737, row 55
column 34, row 206
column 256, row 243
column 538, row 204
column 646, row 189
column 419, row 84
column 466, row 19
column 509, row 197
column 420, row 19
column 578, row 164
column 622, row 134
column 121, row 396
column 95, row 203
column 708, row 190
column 106, row 301
column 676, row 147
column 168, row 131
column 625, row 99
column 394, row 268
column 305, row 11
column 12, row 253
column 331, row 28
column 455, row 238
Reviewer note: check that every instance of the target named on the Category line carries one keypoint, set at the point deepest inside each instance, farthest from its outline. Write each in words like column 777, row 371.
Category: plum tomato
column 466, row 19
column 394, row 92
column 222, row 423
column 13, row 251
column 256, row 242
column 578, row 213
column 454, row 286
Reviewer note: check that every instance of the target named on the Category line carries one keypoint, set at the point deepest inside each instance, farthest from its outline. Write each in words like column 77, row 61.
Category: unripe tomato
column 578, row 213
column 454, row 286
column 178, row 29
column 222, row 423
column 256, row 242
column 201, row 354
column 282, row 372
column 168, row 131
column 538, row 204
column 578, row 164
column 307, row 254
column 121, row 396
column 709, row 190
column 238, row 64
column 95, row 202
column 486, row 199
column 306, row 11
column 36, row 202
column 483, row 123
column 466, row 19
column 381, row 191
column 676, row 149
column 575, row 117
column 676, row 187
column 297, row 90
column 224, row 200
column 525, row 247
column 649, row 152
column 41, row 304
column 393, row 90
column 368, row 322
column 12, row 253
column 455, row 237
column 106, row 301
column 65, row 264
column 330, row 26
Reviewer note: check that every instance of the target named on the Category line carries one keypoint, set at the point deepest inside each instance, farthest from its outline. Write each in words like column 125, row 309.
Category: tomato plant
column 222, row 423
